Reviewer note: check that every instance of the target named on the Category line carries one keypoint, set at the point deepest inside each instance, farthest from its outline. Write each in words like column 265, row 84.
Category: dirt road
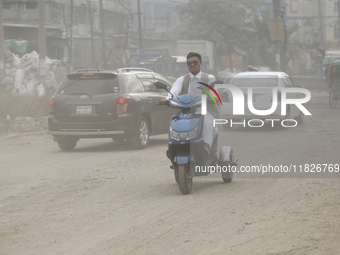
column 106, row 199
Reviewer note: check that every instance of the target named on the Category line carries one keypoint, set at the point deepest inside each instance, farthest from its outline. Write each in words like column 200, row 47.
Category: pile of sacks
column 22, row 74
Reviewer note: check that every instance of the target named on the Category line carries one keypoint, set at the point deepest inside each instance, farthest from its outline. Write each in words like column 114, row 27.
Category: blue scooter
column 186, row 146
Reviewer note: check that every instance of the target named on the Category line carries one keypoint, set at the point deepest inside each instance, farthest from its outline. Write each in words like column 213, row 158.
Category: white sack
column 30, row 87
column 22, row 90
column 8, row 80
column 41, row 90
column 16, row 61
column 19, row 77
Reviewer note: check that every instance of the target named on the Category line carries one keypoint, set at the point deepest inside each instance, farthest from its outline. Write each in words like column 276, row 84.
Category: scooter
column 186, row 146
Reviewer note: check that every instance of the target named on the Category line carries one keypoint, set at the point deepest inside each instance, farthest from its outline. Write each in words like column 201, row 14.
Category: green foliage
column 260, row 47
column 23, row 105
column 226, row 24
column 291, row 29
column 218, row 21
column 293, row 44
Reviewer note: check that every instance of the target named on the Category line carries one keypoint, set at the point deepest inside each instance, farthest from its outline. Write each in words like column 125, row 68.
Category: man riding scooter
column 193, row 140
column 189, row 84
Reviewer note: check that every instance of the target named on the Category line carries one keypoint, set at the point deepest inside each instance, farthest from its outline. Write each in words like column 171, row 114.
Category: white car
column 261, row 87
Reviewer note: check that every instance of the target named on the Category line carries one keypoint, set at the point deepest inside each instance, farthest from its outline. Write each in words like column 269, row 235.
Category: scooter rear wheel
column 227, row 177
column 184, row 179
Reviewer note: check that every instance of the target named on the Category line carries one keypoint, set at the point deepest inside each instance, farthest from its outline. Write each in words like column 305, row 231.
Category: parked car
column 118, row 104
column 261, row 96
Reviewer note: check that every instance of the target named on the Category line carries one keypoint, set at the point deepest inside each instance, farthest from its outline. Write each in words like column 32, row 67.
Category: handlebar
column 167, row 103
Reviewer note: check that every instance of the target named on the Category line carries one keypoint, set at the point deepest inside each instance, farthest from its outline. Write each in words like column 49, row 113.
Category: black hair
column 194, row 54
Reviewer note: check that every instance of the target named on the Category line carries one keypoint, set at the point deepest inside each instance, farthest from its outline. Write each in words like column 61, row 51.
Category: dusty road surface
column 103, row 198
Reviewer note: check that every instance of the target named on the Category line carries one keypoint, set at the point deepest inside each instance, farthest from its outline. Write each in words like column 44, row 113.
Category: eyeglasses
column 195, row 63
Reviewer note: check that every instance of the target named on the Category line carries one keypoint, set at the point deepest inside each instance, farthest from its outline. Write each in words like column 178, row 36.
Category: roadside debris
column 22, row 74
column 22, row 124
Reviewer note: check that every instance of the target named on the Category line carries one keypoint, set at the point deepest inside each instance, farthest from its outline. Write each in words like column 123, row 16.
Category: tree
column 293, row 43
column 232, row 23
column 218, row 21
column 261, row 49
column 68, row 21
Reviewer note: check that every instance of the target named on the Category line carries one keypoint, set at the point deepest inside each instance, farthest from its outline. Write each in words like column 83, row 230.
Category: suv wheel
column 142, row 139
column 67, row 144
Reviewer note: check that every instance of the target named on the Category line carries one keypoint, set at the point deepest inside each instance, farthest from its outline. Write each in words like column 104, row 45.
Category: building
column 81, row 20
column 154, row 17
column 318, row 22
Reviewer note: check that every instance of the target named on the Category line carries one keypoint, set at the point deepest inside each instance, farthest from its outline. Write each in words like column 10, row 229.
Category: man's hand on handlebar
column 164, row 102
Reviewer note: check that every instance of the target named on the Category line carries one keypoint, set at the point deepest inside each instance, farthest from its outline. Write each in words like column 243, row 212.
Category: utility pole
column 91, row 27
column 339, row 21
column 2, row 46
column 276, row 6
column 71, row 37
column 322, row 39
column 42, row 42
column 101, row 14
column 140, row 26
column 284, row 60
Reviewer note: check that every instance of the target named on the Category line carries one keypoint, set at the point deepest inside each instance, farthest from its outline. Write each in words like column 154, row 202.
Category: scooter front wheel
column 176, row 175
column 184, row 179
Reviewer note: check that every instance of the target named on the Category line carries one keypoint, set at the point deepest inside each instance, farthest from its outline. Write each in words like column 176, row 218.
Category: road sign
column 276, row 28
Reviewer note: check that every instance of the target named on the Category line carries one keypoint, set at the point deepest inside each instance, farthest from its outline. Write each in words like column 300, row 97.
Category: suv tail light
column 122, row 104
column 51, row 104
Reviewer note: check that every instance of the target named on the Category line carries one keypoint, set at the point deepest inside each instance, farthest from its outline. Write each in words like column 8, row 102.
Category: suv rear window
column 93, row 84
column 133, row 84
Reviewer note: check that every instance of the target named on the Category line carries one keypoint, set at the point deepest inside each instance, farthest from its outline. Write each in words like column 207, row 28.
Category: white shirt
column 193, row 90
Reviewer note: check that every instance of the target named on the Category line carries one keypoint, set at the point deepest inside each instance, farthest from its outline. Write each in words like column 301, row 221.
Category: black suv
column 120, row 104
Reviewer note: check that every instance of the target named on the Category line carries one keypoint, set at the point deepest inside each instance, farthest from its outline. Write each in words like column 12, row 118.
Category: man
column 187, row 84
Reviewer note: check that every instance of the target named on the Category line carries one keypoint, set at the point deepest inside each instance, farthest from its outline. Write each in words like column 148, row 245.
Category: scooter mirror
column 216, row 82
column 161, row 85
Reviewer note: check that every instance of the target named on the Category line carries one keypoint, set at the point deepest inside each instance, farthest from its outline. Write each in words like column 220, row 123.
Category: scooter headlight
column 174, row 135
column 193, row 133
column 184, row 136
